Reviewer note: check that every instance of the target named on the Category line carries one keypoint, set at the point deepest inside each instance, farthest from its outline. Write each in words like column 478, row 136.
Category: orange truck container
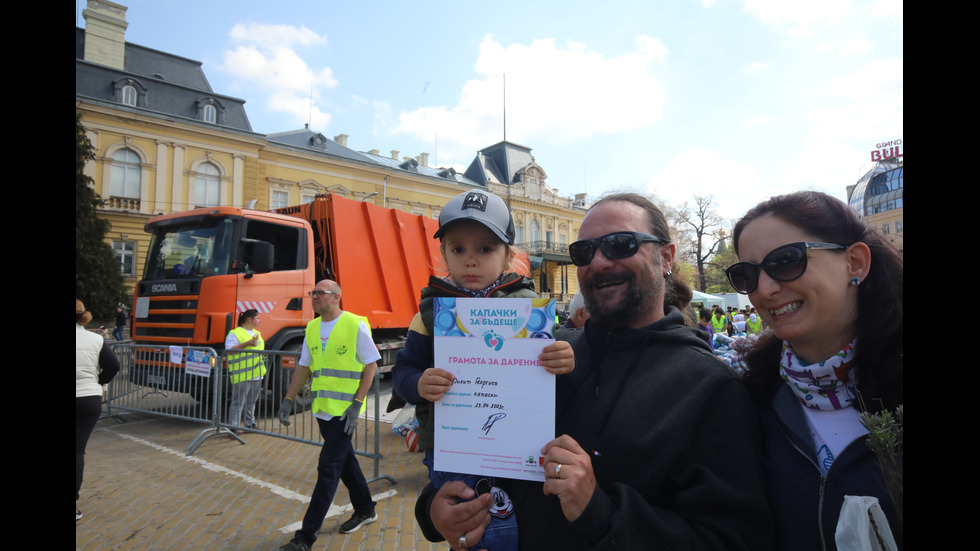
column 206, row 265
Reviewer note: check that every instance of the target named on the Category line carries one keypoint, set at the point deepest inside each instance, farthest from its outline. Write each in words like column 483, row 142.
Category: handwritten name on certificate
column 500, row 411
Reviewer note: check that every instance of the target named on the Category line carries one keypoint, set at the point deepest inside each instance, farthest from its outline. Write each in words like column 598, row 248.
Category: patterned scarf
column 826, row 385
column 482, row 293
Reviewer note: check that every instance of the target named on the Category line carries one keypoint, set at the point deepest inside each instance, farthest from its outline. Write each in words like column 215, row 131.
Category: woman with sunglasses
column 831, row 290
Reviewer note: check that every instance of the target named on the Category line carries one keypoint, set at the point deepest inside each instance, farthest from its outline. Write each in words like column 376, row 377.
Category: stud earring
column 855, row 281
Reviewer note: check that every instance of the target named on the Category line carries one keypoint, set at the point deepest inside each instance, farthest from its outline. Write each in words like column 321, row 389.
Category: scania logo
column 163, row 288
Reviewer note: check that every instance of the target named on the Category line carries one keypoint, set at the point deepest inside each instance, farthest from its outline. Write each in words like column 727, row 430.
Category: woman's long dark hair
column 880, row 323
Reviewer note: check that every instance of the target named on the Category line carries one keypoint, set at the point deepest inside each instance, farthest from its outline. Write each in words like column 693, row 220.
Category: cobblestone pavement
column 141, row 491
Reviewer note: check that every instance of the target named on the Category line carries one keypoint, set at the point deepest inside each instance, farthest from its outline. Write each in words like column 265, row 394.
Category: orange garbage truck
column 205, row 266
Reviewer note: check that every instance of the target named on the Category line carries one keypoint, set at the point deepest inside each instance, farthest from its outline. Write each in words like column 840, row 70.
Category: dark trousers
column 337, row 463
column 88, row 409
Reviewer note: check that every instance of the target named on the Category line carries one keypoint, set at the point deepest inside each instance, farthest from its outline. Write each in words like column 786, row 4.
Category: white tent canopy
column 707, row 300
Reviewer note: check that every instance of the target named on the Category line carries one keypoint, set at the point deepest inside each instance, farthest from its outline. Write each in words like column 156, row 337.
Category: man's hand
column 284, row 410
column 568, row 475
column 453, row 518
column 350, row 417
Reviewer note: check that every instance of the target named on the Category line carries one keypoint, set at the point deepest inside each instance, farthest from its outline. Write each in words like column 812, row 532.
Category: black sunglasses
column 784, row 263
column 614, row 246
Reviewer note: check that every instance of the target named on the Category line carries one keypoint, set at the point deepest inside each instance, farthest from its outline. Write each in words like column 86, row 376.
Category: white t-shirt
column 367, row 351
column 832, row 431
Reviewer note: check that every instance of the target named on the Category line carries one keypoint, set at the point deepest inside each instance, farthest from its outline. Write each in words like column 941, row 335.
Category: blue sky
column 736, row 99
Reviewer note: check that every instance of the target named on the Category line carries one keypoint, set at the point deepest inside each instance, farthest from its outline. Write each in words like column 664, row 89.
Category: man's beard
column 624, row 311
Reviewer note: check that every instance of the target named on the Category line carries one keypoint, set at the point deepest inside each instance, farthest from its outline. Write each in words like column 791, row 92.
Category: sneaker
column 295, row 545
column 355, row 522
column 78, row 514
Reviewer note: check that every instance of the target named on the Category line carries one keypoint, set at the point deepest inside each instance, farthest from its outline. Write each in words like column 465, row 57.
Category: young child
column 704, row 321
column 477, row 231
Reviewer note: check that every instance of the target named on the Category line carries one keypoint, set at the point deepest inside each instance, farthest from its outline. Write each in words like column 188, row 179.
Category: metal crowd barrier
column 194, row 385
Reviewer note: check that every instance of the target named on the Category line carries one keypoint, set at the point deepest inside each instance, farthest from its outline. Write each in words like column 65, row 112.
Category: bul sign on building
column 887, row 150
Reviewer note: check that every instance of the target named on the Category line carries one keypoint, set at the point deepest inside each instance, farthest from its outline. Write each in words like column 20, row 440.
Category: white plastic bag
column 404, row 420
column 863, row 526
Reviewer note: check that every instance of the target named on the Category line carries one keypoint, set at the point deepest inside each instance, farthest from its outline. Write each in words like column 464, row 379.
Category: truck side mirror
column 263, row 254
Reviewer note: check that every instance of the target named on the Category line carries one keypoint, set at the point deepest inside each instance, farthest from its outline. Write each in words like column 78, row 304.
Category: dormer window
column 210, row 110
column 129, row 95
column 128, row 91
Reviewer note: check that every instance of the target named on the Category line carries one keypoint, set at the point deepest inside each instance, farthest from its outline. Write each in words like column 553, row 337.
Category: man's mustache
column 600, row 280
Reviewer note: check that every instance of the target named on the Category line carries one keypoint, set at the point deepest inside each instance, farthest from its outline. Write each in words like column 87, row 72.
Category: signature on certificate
column 491, row 420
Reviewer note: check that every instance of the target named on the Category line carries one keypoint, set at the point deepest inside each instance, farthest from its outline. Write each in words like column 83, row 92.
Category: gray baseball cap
column 480, row 206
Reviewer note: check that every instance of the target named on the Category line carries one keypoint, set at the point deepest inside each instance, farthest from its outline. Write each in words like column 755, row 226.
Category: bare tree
column 701, row 231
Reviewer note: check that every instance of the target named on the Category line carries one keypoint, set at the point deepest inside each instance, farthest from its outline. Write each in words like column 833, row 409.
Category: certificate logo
column 493, row 340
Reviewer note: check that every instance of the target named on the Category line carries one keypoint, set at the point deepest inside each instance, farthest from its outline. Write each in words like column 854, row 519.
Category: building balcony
column 122, row 203
column 544, row 247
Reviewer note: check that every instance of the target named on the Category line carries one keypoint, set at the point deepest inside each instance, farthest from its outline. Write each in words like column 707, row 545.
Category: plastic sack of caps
column 404, row 421
column 730, row 349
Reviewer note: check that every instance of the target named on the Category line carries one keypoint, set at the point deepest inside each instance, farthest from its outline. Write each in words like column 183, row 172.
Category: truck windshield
column 198, row 249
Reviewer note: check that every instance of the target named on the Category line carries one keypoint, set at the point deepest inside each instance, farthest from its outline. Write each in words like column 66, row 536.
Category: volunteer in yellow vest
column 245, row 369
column 719, row 321
column 753, row 324
column 339, row 352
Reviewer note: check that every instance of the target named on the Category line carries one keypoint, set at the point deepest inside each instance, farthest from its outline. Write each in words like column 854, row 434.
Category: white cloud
column 756, row 67
column 554, row 95
column 734, row 186
column 889, row 8
column 854, row 46
column 267, row 66
column 867, row 104
column 758, row 120
column 797, row 13
column 828, row 166
column 276, row 36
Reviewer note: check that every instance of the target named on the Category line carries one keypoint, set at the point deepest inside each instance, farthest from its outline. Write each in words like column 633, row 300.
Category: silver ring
column 558, row 471
column 462, row 543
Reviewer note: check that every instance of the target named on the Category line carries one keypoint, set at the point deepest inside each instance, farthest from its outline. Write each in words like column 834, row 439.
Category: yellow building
column 165, row 142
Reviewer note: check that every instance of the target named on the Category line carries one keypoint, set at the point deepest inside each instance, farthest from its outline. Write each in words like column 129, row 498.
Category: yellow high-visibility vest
column 718, row 323
column 335, row 369
column 245, row 366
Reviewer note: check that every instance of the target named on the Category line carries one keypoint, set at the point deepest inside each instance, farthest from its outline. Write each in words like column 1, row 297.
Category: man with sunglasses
column 657, row 446
column 341, row 356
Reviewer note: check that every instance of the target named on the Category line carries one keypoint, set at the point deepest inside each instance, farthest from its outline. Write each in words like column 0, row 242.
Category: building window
column 280, row 199
column 129, row 95
column 885, row 229
column 207, row 186
column 898, row 226
column 535, row 231
column 210, row 114
column 124, row 179
column 125, row 252
column 519, row 235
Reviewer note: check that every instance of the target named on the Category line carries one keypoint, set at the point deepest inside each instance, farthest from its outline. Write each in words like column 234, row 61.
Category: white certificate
column 500, row 410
